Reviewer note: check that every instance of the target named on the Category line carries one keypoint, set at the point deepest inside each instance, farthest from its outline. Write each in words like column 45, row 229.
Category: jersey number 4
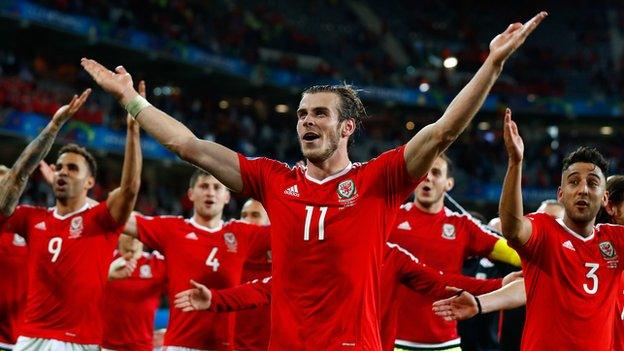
column 212, row 260
column 593, row 267
column 321, row 223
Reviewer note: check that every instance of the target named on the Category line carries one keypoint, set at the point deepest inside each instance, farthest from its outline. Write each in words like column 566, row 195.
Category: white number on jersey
column 54, row 247
column 212, row 260
column 321, row 223
column 593, row 267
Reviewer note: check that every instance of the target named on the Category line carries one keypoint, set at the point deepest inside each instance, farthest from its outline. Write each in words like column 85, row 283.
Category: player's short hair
column 586, row 155
column 615, row 187
column 75, row 149
column 350, row 104
column 449, row 164
column 551, row 202
column 198, row 173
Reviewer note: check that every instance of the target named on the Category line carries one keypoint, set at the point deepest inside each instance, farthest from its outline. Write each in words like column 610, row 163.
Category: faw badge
column 145, row 271
column 346, row 189
column 448, row 231
column 75, row 227
column 230, row 242
column 607, row 250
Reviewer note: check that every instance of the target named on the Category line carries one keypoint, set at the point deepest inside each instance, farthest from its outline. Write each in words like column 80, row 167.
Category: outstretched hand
column 197, row 299
column 504, row 44
column 513, row 140
column 118, row 83
column 458, row 307
column 65, row 112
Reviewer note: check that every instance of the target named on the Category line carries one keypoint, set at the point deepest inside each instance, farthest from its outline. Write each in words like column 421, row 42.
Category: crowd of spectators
column 582, row 63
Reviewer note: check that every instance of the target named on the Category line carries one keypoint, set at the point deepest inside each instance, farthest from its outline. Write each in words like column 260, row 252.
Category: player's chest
column 209, row 253
column 433, row 235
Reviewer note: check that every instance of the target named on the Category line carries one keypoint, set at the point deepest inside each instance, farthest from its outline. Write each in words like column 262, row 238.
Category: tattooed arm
column 13, row 184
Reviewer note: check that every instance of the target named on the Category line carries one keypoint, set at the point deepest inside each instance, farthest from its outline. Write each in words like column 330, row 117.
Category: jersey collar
column 575, row 234
column 204, row 228
column 331, row 177
column 61, row 217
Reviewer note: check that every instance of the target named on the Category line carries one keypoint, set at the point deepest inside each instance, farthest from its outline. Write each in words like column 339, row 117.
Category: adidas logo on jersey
column 292, row 191
column 40, row 226
column 405, row 226
column 568, row 245
column 191, row 236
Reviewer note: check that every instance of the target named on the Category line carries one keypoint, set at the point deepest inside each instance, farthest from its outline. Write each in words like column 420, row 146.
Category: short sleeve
column 19, row 221
column 482, row 240
column 390, row 169
column 154, row 231
column 532, row 249
column 103, row 219
column 255, row 173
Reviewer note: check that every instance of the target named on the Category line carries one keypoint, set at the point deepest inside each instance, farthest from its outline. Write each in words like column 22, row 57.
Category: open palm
column 117, row 83
column 504, row 44
column 513, row 140
column 458, row 307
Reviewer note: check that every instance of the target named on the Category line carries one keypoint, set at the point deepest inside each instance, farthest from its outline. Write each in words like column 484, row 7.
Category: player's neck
column 433, row 208
column 582, row 229
column 334, row 164
column 208, row 222
column 66, row 206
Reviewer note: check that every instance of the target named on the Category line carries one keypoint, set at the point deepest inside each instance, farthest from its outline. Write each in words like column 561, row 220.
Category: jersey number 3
column 321, row 223
column 593, row 267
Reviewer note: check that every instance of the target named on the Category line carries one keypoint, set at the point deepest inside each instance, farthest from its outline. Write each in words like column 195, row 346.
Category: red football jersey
column 253, row 327
column 130, row 305
column 443, row 240
column 571, row 285
column 213, row 257
column 14, row 273
column 399, row 267
column 68, row 268
column 327, row 244
column 618, row 331
column 401, row 271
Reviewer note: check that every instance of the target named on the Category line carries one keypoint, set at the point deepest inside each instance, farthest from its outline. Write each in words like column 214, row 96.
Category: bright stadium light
column 281, row 108
column 223, row 104
column 450, row 62
column 424, row 87
column 484, row 125
column 606, row 130
column 409, row 125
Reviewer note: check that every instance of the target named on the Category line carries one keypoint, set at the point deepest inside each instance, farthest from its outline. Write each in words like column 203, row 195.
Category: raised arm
column 516, row 228
column 212, row 157
column 465, row 305
column 433, row 139
column 121, row 201
column 14, row 183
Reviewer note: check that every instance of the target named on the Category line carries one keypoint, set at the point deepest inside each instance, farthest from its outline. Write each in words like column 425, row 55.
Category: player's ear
column 559, row 194
column 450, row 183
column 605, row 199
column 90, row 183
column 189, row 193
column 228, row 196
column 348, row 127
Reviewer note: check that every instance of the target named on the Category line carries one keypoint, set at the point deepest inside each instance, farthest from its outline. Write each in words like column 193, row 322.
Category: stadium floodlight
column 450, row 62
column 606, row 130
column 281, row 108
column 424, row 87
column 224, row 104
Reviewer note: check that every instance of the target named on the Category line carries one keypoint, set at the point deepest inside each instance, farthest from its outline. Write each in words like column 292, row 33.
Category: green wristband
column 136, row 105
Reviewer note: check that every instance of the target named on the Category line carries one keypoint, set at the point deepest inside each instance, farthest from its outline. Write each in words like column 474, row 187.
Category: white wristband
column 136, row 105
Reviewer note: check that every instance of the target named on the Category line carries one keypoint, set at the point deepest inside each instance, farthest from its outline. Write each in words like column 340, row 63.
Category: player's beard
column 583, row 217
column 318, row 156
